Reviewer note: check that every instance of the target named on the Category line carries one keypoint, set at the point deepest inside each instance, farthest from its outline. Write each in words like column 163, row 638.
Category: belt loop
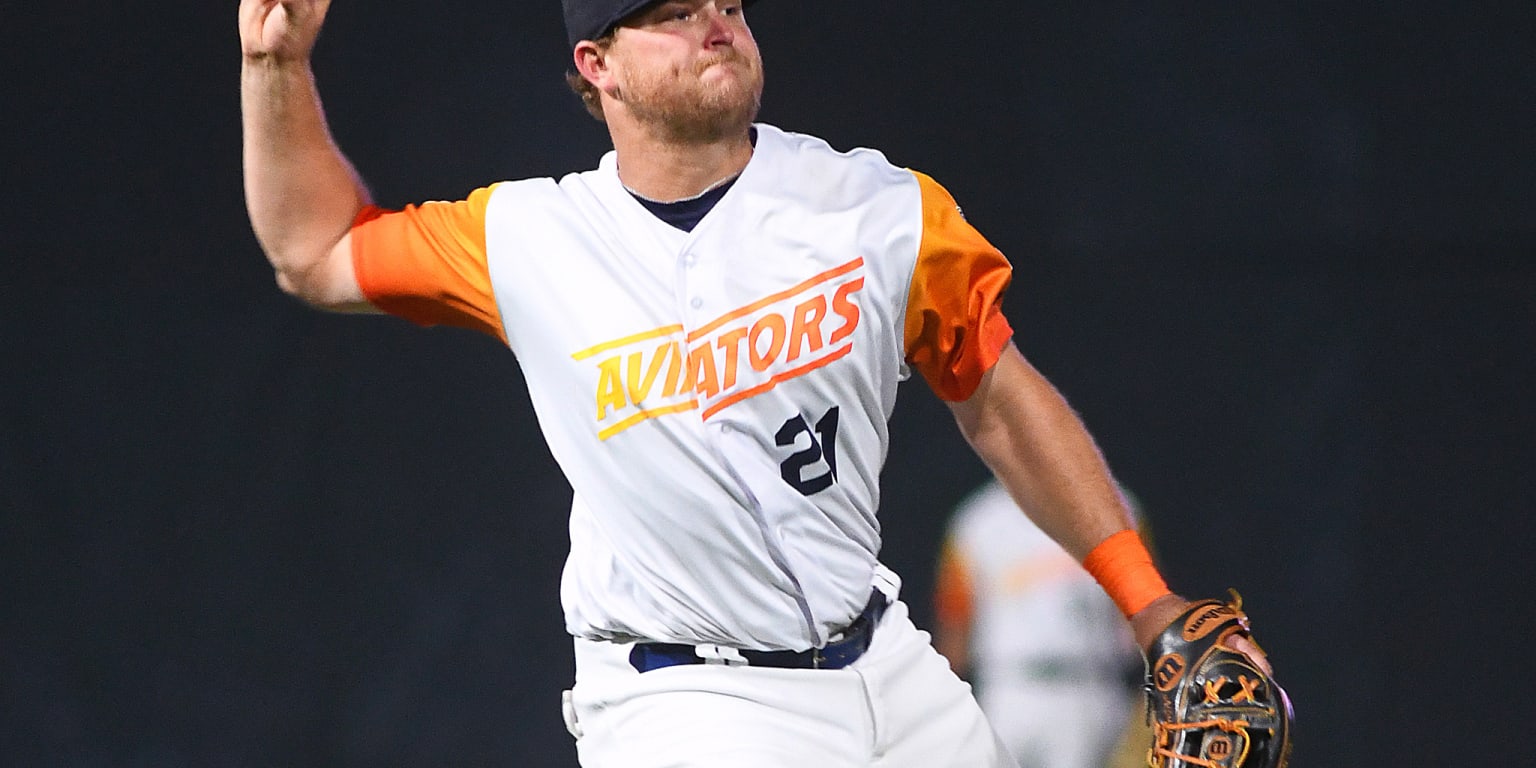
column 887, row 582
column 720, row 654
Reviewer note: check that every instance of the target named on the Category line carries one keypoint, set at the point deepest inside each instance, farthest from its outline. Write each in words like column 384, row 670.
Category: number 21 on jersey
column 820, row 454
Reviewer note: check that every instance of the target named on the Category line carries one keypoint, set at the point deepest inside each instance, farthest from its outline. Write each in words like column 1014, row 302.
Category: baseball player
column 1047, row 650
column 712, row 324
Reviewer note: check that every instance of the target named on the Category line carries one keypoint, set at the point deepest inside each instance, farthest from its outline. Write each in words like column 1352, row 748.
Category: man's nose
column 720, row 31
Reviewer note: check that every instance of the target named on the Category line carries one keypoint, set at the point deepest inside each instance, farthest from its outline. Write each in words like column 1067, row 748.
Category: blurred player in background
column 1054, row 663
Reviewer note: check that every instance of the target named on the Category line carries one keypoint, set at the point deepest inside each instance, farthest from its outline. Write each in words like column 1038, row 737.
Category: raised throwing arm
column 301, row 192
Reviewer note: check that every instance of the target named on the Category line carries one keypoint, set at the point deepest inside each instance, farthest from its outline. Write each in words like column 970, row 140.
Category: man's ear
column 591, row 62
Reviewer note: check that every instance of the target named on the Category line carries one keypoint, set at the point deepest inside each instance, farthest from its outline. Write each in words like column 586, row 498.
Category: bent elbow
column 310, row 287
column 294, row 285
column 323, row 281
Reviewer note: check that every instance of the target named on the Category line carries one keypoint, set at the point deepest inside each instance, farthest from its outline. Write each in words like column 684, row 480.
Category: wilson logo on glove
column 1202, row 623
column 1169, row 670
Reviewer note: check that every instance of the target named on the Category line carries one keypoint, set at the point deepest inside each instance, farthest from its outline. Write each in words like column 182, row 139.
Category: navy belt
column 835, row 655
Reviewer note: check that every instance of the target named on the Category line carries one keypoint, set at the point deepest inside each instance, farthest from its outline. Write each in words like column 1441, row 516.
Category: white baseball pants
column 898, row 706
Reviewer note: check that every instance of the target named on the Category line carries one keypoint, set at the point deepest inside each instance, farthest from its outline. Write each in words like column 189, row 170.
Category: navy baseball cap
column 591, row 19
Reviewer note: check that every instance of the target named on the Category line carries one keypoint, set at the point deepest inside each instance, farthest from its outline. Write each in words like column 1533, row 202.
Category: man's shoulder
column 813, row 163
column 502, row 192
column 813, row 147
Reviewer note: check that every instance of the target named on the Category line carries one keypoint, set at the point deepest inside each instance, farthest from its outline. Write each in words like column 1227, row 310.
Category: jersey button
column 690, row 260
column 696, row 303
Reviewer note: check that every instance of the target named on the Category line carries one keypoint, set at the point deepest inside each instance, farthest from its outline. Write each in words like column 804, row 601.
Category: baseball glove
column 1210, row 706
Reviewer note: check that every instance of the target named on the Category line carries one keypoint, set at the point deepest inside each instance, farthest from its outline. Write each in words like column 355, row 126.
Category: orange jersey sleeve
column 955, row 329
column 427, row 263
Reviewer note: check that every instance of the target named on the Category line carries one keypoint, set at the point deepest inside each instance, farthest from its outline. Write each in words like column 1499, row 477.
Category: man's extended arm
column 301, row 192
column 1042, row 453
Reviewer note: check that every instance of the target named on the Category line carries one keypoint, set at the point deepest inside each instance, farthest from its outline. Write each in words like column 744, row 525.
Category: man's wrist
column 1150, row 621
column 1123, row 566
column 271, row 63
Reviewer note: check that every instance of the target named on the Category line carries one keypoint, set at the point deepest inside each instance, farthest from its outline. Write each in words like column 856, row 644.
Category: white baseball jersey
column 718, row 399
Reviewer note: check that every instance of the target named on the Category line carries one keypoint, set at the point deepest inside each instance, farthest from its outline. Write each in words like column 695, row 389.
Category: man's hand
column 280, row 31
column 1149, row 622
column 1212, row 698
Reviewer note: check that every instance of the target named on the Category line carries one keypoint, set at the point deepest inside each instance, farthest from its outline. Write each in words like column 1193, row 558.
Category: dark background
column 1281, row 260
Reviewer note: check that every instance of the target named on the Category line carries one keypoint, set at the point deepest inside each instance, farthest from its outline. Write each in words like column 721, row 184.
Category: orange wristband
column 1123, row 566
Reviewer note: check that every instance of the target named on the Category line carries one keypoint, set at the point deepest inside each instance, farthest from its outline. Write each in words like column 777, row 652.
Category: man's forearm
column 301, row 192
column 1039, row 449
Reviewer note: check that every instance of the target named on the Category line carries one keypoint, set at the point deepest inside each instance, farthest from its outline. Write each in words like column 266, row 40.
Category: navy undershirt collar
column 686, row 214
